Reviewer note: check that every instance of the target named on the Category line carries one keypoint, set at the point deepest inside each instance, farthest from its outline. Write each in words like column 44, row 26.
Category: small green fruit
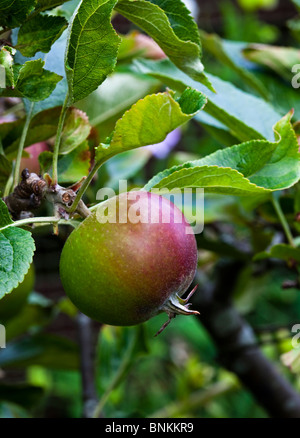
column 12, row 303
column 125, row 273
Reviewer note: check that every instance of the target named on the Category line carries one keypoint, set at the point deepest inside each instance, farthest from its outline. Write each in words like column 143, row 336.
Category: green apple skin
column 123, row 273
column 12, row 303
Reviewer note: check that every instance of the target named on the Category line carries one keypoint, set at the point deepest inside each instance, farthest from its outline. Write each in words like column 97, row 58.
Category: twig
column 282, row 219
column 21, row 146
column 58, row 138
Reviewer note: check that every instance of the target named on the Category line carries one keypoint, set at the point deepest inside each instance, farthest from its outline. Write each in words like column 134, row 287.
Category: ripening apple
column 127, row 262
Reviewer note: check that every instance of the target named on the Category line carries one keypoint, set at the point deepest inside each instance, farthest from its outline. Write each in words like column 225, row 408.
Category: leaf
column 75, row 165
column 150, row 120
column 279, row 59
column 71, row 167
column 14, row 12
column 274, row 166
column 76, row 130
column 247, row 117
column 54, row 62
column 38, row 33
column 255, row 167
column 114, row 96
column 92, row 48
column 43, row 5
column 16, row 250
column 32, row 81
column 223, row 50
column 43, row 126
column 5, row 218
column 7, row 61
column 170, row 24
column 5, row 171
column 281, row 251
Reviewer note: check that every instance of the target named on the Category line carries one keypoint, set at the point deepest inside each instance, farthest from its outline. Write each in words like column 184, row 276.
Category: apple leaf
column 150, row 120
column 38, row 33
column 5, row 170
column 5, row 218
column 92, row 47
column 224, row 51
column 32, row 81
column 281, row 251
column 170, row 24
column 16, row 252
column 254, row 167
column 76, row 130
column 7, row 62
column 14, row 12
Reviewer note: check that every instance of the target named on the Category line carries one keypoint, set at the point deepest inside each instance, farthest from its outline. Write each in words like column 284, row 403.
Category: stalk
column 21, row 146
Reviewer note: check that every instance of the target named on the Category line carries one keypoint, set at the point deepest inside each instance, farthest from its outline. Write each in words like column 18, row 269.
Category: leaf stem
column 32, row 220
column 282, row 219
column 21, row 146
column 87, row 182
column 58, row 138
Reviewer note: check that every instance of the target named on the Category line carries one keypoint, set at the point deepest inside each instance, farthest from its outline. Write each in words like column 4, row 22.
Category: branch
column 32, row 190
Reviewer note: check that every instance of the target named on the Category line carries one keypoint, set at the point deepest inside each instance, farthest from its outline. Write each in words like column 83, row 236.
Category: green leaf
column 170, row 24
column 54, row 62
column 150, row 120
column 114, row 96
column 5, row 171
column 75, row 165
column 43, row 126
column 5, row 218
column 247, row 117
column 222, row 50
column 76, row 130
column 255, row 167
column 32, row 81
column 279, row 59
column 16, row 250
column 272, row 165
column 281, row 251
column 92, row 47
column 71, row 167
column 43, row 5
column 38, row 33
column 7, row 61
column 14, row 12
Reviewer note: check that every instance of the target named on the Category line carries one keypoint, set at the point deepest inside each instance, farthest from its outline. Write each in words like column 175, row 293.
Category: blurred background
column 177, row 374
